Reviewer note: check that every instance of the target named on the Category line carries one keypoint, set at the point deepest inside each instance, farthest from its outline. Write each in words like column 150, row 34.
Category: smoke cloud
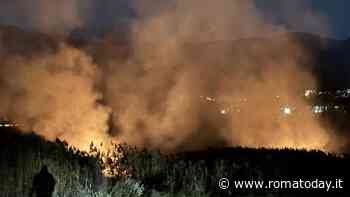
column 158, row 102
column 54, row 96
column 181, row 53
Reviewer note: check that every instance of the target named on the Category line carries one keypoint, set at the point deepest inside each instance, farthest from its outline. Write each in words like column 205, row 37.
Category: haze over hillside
column 158, row 98
column 328, row 57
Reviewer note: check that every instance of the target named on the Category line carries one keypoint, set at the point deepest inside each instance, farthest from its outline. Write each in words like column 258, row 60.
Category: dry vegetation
column 150, row 173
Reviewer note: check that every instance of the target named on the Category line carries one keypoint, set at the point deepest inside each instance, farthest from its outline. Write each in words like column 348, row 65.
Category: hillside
column 154, row 174
column 23, row 155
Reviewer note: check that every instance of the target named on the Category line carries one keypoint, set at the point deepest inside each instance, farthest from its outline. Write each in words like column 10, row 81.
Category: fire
column 287, row 110
column 150, row 98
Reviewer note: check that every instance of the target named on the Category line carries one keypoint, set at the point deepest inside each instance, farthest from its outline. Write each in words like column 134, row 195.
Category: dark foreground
column 284, row 172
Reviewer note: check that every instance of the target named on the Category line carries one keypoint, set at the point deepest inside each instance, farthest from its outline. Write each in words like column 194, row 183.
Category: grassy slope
column 22, row 156
column 188, row 174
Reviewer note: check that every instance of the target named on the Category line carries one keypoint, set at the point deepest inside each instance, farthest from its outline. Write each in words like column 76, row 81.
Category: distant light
column 287, row 110
column 318, row 109
column 223, row 112
column 308, row 93
column 8, row 125
column 210, row 99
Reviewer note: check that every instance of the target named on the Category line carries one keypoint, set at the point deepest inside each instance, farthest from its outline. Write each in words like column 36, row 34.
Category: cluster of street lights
column 288, row 110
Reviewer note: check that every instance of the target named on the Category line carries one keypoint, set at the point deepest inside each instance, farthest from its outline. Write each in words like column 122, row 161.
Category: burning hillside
column 149, row 94
column 159, row 98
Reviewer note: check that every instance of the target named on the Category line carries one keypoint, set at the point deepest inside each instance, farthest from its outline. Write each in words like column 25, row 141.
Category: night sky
column 336, row 13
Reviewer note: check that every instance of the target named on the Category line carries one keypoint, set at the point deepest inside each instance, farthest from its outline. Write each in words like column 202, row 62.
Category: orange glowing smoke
column 54, row 96
column 180, row 52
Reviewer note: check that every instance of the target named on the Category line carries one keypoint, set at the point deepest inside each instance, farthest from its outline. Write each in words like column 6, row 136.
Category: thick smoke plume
column 54, row 96
column 181, row 53
column 157, row 95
